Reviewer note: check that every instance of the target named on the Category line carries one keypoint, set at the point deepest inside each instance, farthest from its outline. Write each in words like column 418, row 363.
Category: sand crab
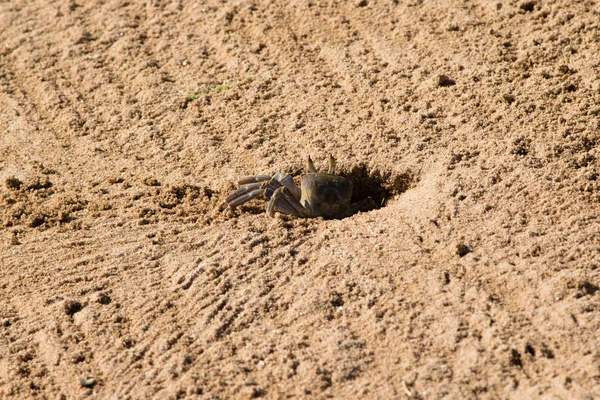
column 321, row 194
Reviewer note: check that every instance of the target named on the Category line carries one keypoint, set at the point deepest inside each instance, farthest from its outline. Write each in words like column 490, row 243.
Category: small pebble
column 509, row 98
column 445, row 81
column 88, row 382
column 462, row 249
column 101, row 298
column 72, row 306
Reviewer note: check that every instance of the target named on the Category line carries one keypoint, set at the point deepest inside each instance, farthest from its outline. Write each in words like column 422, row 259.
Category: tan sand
column 475, row 124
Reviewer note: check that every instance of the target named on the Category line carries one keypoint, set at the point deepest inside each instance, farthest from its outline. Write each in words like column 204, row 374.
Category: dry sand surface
column 474, row 125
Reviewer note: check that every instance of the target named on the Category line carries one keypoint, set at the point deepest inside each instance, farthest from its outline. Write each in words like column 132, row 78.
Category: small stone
column 587, row 288
column 509, row 98
column 565, row 69
column 88, row 382
column 37, row 183
column 257, row 48
column 71, row 307
column 445, row 81
column 101, row 298
column 528, row 6
column 151, row 182
column 36, row 219
column 462, row 249
column 13, row 183
column 77, row 358
column 252, row 392
column 14, row 239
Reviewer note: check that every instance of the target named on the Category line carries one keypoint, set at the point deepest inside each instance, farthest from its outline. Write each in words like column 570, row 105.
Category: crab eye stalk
column 331, row 169
column 310, row 166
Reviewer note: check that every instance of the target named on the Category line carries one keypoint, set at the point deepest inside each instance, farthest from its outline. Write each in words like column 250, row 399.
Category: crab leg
column 242, row 191
column 246, row 198
column 279, row 203
column 253, row 179
column 271, row 186
column 253, row 183
column 286, row 203
column 289, row 183
column 296, row 204
column 360, row 204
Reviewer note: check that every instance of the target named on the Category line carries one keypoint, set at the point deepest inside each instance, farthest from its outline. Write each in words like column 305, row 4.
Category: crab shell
column 325, row 194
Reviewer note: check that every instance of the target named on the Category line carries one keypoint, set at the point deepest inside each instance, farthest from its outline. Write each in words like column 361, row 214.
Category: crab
column 322, row 194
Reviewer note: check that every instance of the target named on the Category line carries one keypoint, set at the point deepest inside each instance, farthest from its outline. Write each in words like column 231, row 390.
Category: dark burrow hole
column 381, row 186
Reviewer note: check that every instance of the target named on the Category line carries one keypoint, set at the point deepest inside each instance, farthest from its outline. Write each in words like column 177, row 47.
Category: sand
column 475, row 126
